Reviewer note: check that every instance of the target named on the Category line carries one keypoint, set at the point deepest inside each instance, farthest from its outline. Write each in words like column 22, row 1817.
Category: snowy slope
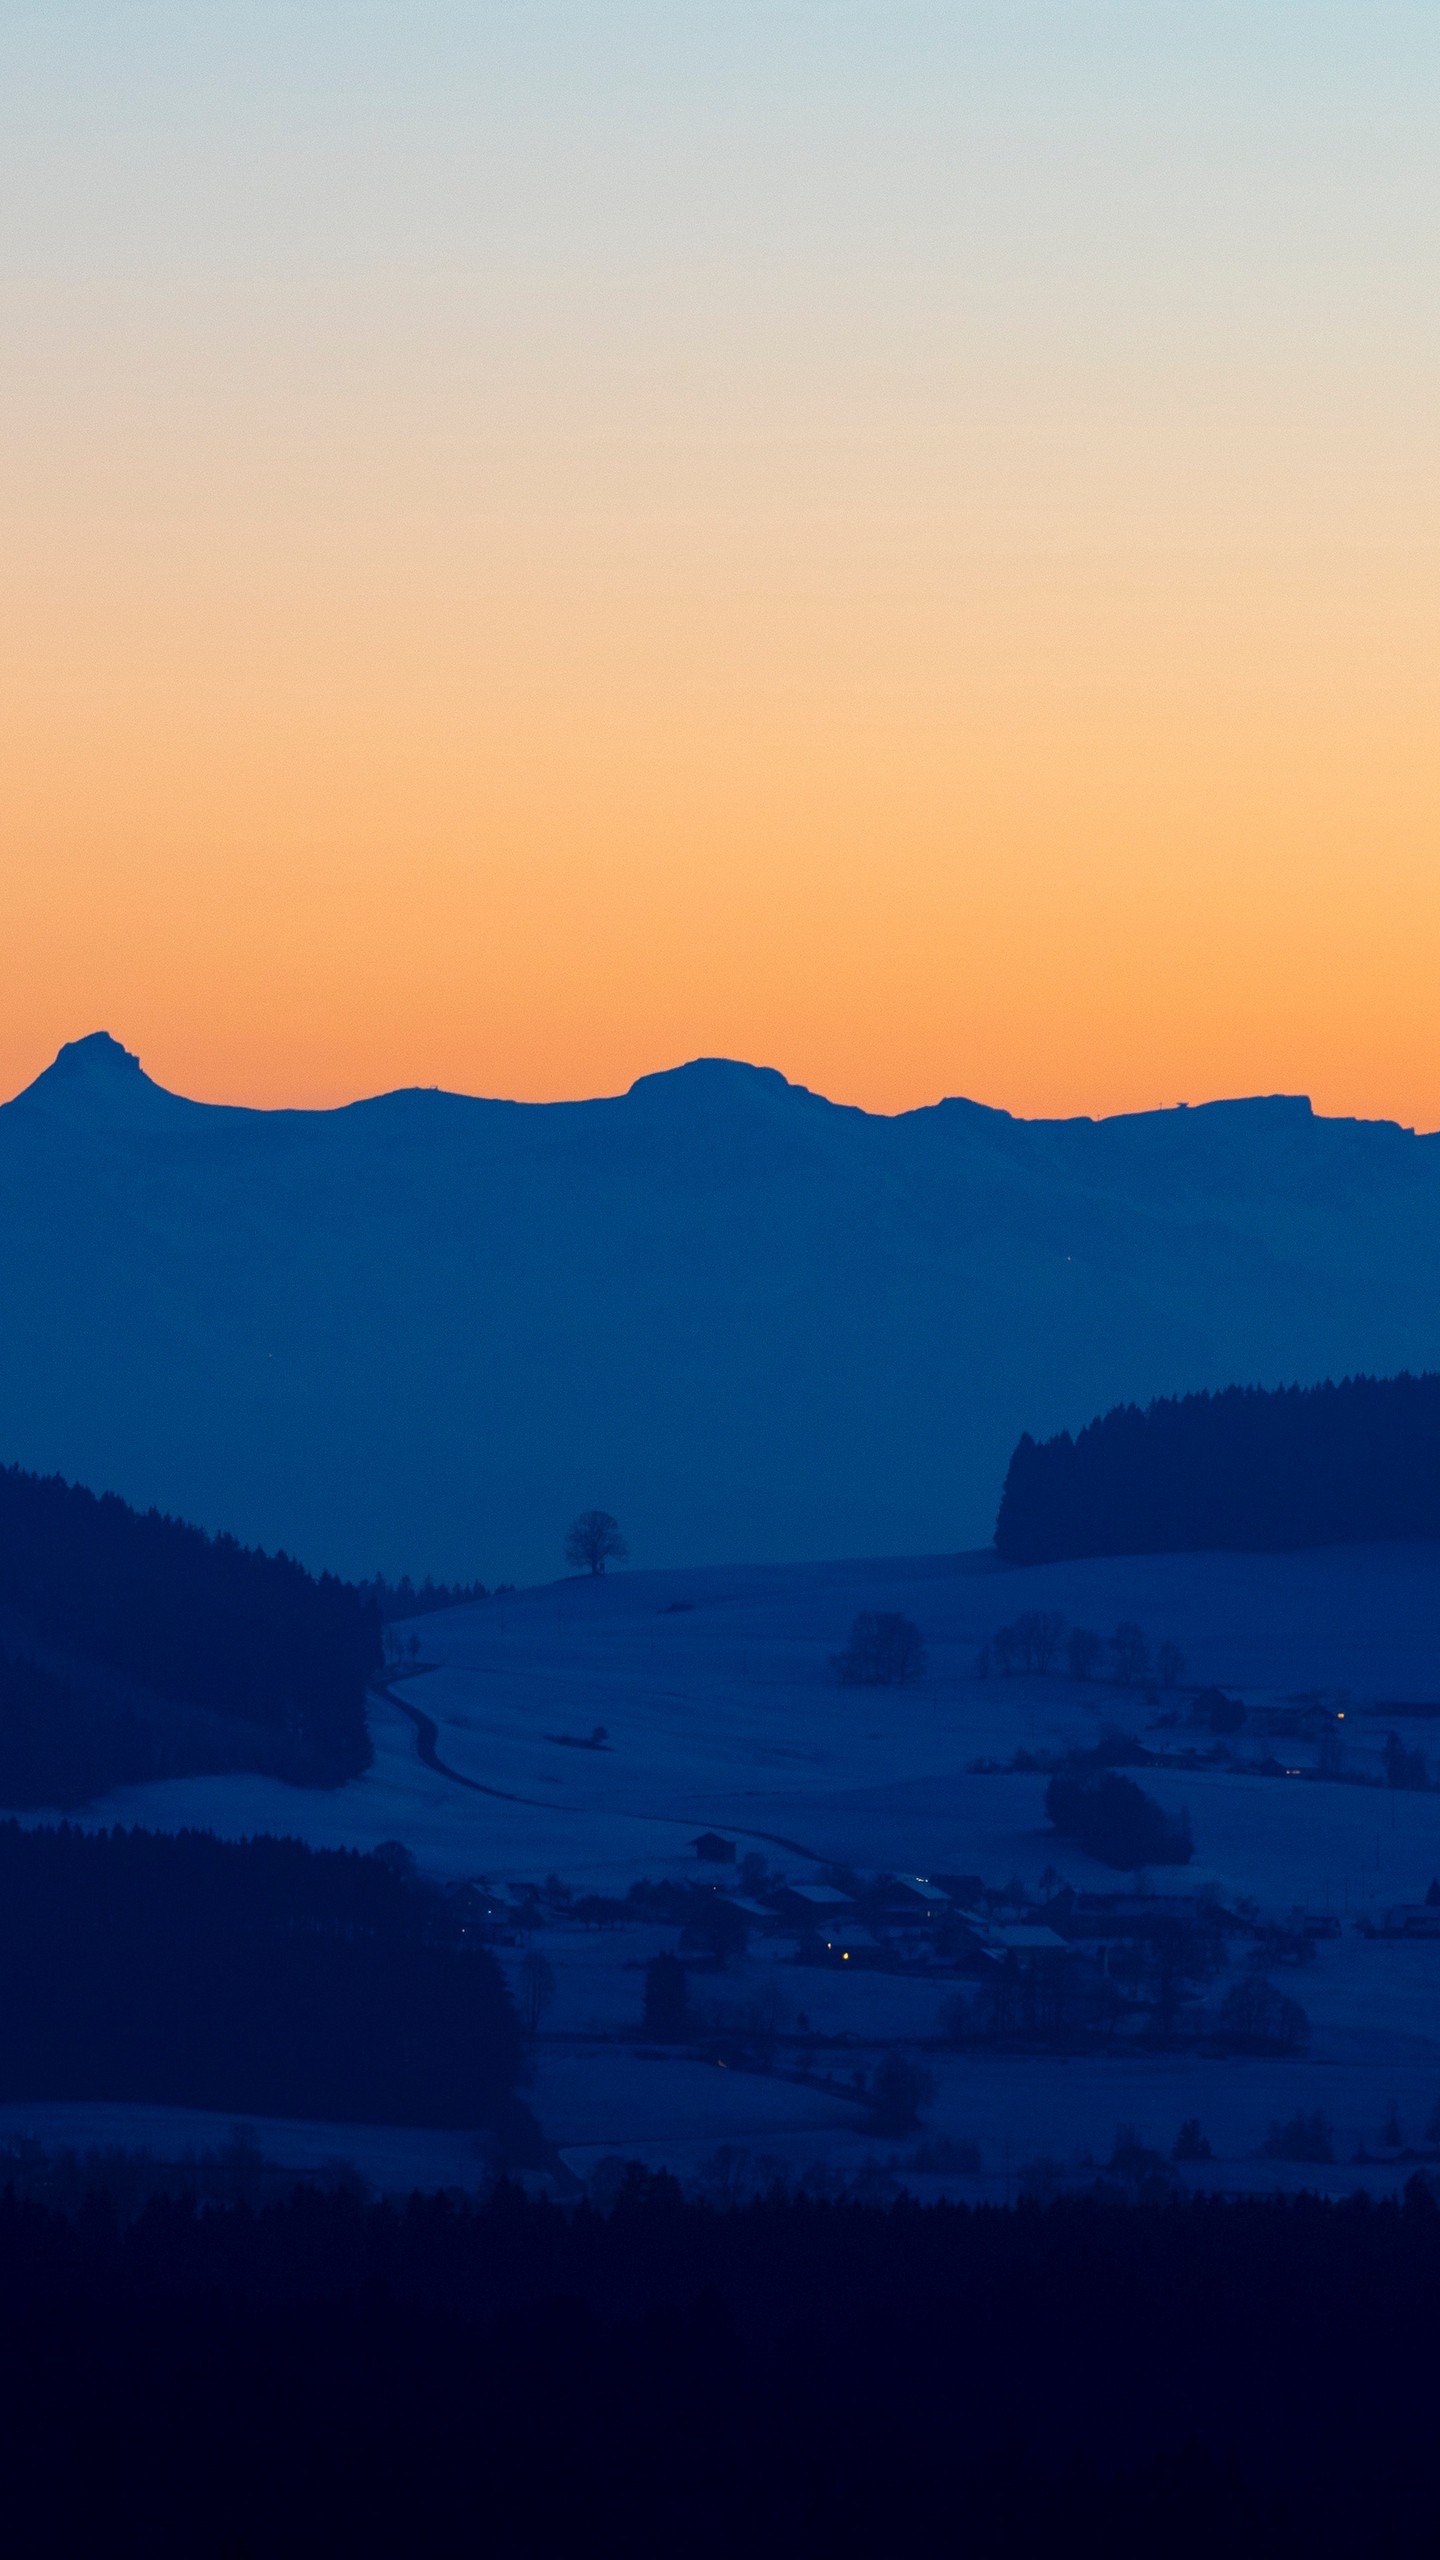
column 715, row 1690
column 724, row 1711
column 422, row 1331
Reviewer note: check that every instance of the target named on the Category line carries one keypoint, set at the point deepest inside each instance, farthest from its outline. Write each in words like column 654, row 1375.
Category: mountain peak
column 98, row 1080
column 99, row 1053
column 710, row 1080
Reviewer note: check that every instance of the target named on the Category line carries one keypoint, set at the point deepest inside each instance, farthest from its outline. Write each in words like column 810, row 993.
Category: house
column 965, row 1937
column 812, row 1905
column 715, row 1851
column 1029, row 1940
column 915, row 1898
column 1407, row 1920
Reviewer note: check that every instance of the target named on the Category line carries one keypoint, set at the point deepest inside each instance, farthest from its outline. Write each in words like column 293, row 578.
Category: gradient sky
column 895, row 541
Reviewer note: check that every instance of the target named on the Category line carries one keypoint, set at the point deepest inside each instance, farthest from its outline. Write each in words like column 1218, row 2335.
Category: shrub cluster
column 1301, row 2137
column 1256, row 2018
column 1039, row 1637
column 885, row 1651
column 1115, row 1821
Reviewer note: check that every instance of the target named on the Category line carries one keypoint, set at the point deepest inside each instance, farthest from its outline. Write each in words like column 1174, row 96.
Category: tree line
column 1040, row 1640
column 407, row 1599
column 117, row 1615
column 1255, row 2376
column 65, row 1740
column 1248, row 1468
column 57, row 1746
column 257, row 1977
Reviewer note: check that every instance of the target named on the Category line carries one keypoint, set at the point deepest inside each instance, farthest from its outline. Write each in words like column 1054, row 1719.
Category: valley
column 721, row 1713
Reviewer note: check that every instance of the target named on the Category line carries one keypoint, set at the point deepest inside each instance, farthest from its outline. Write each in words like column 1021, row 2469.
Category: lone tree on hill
column 593, row 1541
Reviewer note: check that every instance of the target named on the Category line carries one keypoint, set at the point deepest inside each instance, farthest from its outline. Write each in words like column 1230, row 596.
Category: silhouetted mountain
column 1297, row 1467
column 422, row 1332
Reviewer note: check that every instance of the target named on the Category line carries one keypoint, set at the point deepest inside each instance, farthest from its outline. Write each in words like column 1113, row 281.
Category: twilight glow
column 897, row 541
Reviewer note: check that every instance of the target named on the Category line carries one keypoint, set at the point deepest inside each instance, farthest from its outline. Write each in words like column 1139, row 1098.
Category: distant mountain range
column 419, row 1333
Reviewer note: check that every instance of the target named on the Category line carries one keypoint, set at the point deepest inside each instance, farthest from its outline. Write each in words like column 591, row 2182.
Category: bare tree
column 1049, row 1636
column 1170, row 1664
column 593, row 1541
column 537, row 1987
column 1130, row 1653
column 1404, row 1768
column 1083, row 1650
column 885, row 1651
column 1256, row 2018
column 1038, row 1635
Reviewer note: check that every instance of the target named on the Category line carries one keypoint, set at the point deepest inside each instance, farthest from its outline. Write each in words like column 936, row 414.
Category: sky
column 541, row 538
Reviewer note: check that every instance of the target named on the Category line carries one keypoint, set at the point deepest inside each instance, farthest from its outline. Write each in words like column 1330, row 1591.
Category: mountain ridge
column 418, row 1331
column 97, row 1065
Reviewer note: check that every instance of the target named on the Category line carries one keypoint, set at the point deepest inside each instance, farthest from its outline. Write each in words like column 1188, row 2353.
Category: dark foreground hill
column 253, row 1977
column 134, row 1647
column 786, row 2379
column 421, row 1333
column 1331, row 1465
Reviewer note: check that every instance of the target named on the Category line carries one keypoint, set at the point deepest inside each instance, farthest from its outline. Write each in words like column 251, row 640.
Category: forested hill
column 254, row 1976
column 134, row 1646
column 1248, row 1468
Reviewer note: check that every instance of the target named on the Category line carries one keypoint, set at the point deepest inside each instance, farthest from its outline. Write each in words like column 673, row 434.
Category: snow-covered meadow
column 720, row 1710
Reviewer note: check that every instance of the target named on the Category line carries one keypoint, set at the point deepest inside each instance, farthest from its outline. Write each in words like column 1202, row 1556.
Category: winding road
column 427, row 1735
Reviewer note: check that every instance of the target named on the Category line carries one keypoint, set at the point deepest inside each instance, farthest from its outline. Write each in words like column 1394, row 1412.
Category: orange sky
column 926, row 580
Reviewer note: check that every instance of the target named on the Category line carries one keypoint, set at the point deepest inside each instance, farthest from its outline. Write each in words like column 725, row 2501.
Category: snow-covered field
column 720, row 1710
column 392, row 2158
